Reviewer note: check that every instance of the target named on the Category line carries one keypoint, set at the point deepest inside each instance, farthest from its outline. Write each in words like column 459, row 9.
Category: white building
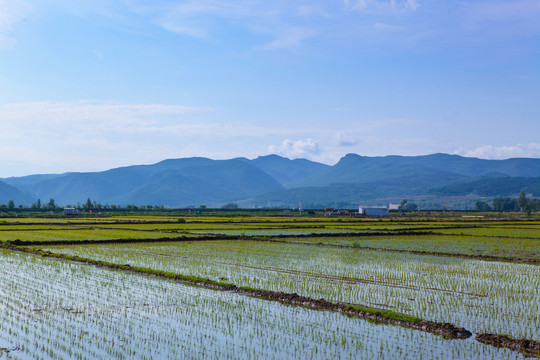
column 373, row 211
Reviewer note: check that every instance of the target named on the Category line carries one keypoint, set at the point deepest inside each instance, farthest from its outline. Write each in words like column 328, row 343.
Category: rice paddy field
column 156, row 287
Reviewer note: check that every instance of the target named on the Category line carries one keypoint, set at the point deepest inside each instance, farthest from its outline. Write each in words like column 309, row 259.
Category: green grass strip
column 385, row 313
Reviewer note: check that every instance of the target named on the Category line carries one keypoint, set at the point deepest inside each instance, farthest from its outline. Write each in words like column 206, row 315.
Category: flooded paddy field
column 80, row 300
column 56, row 309
column 492, row 297
column 516, row 248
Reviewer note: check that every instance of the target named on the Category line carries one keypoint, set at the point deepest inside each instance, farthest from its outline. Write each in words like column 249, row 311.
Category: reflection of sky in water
column 54, row 308
column 481, row 296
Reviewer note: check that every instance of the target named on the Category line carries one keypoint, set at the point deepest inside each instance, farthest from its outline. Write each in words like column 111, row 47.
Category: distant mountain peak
column 271, row 156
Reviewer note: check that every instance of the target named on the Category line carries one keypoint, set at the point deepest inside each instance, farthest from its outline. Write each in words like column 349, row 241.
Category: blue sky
column 91, row 85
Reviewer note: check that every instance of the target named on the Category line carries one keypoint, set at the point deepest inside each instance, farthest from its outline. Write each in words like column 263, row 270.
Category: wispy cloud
column 383, row 27
column 74, row 127
column 92, row 135
column 290, row 38
column 381, row 6
column 11, row 12
column 283, row 23
column 531, row 150
column 195, row 18
column 506, row 17
column 505, row 10
column 86, row 114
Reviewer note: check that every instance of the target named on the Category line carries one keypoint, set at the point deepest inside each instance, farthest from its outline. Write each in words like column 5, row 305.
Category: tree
column 11, row 205
column 481, row 206
column 88, row 204
column 230, row 205
column 411, row 206
column 522, row 201
column 403, row 204
column 37, row 204
column 51, row 204
column 505, row 204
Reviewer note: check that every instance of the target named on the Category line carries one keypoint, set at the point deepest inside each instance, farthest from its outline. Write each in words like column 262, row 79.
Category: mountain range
column 273, row 180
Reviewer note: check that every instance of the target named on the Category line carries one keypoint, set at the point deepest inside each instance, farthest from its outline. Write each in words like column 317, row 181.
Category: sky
column 90, row 85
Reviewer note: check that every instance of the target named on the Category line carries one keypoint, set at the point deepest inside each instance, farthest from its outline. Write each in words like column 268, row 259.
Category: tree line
column 51, row 205
column 522, row 203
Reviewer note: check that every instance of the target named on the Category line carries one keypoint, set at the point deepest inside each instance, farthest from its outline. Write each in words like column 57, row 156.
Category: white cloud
column 296, row 148
column 531, row 150
column 344, row 139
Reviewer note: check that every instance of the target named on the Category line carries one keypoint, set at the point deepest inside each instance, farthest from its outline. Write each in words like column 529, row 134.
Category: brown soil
column 445, row 329
column 529, row 348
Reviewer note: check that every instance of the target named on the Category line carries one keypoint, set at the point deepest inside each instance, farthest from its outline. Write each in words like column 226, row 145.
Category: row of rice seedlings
column 54, row 309
column 234, row 224
column 330, row 224
column 249, row 232
column 518, row 248
column 27, row 227
column 513, row 232
column 247, row 222
column 54, row 220
column 77, row 234
column 210, row 227
column 481, row 296
column 107, row 231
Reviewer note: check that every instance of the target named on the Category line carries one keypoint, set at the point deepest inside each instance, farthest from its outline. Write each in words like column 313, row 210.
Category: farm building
column 333, row 212
column 71, row 211
column 373, row 211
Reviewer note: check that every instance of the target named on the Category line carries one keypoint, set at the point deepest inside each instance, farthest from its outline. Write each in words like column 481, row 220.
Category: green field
column 96, row 285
